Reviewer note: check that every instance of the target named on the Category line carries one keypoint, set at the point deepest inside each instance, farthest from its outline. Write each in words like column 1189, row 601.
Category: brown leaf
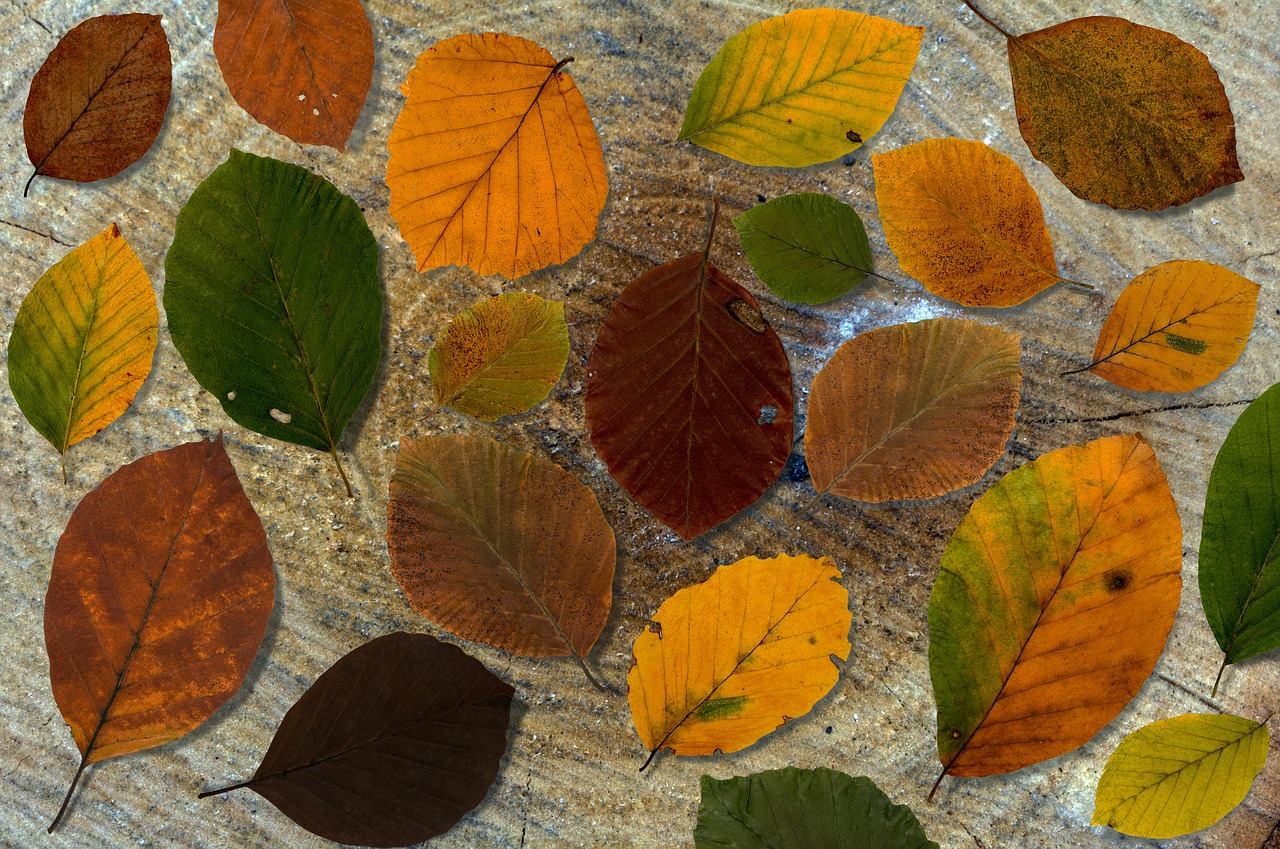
column 159, row 597
column 98, row 101
column 392, row 745
column 300, row 67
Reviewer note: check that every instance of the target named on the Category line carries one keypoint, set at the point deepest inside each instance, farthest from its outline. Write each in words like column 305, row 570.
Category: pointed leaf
column 391, row 746
column 83, row 340
column 729, row 660
column 802, row 88
column 803, row 809
column 912, row 411
column 98, row 101
column 808, row 247
column 1176, row 327
column 963, row 220
column 1180, row 775
column 501, row 356
column 1053, row 602
column 494, row 161
column 273, row 300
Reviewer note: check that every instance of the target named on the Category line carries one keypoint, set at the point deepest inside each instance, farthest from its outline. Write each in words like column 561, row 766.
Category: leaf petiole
column 994, row 26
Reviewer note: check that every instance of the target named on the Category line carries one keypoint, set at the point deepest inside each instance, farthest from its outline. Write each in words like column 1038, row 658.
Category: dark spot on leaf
column 1117, row 580
column 713, row 709
column 747, row 315
column 813, row 639
column 853, row 137
column 767, row 414
column 788, row 120
column 955, row 734
column 1185, row 345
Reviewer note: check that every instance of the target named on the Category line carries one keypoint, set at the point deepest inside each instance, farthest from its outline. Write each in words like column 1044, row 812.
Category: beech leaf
column 158, row 600
column 391, row 746
column 802, row 88
column 913, row 410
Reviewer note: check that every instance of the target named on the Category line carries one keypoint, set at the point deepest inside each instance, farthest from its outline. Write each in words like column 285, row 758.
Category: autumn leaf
column 729, row 660
column 158, row 600
column 500, row 546
column 419, row 752
column 1053, row 602
column 800, row 89
column 1180, row 775
column 689, row 395
column 98, row 101
column 494, row 161
column 273, row 299
column 808, row 247
column 1176, row 327
column 803, row 809
column 913, row 410
column 501, row 356
column 83, row 341
column 963, row 220
column 301, row 68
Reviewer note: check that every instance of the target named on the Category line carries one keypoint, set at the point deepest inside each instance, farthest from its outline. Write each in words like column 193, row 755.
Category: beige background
column 570, row 778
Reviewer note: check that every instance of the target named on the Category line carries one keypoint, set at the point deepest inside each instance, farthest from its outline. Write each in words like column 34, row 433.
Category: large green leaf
column 807, row 247
column 1240, row 541
column 273, row 299
column 1180, row 775
column 803, row 809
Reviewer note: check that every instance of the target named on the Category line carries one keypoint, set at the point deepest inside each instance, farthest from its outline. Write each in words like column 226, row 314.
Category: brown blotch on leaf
column 1117, row 580
column 747, row 315
column 853, row 137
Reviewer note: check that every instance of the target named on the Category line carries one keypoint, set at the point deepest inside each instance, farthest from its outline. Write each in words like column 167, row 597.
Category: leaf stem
column 333, row 451
column 936, row 784
column 998, row 29
column 25, row 188
column 64, row 468
column 66, row 800
column 1216, row 681
column 226, row 789
column 565, row 61
column 711, row 232
column 649, row 759
column 587, row 672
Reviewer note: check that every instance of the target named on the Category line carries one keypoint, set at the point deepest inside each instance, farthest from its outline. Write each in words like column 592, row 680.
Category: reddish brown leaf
column 159, row 597
column 98, row 101
column 391, row 746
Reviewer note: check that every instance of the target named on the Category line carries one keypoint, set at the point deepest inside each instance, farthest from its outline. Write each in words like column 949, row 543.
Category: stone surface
column 570, row 778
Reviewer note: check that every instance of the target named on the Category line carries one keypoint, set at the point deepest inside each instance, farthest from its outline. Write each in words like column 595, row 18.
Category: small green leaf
column 803, row 809
column 1180, row 775
column 807, row 247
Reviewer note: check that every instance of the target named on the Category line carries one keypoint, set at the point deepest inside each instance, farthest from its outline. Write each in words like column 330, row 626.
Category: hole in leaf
column 282, row 417
column 767, row 414
column 231, row 396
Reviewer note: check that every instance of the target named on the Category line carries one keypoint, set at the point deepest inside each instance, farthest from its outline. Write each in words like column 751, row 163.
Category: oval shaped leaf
column 158, row 600
column 803, row 809
column 391, row 746
column 807, row 247
column 501, row 356
column 1053, row 602
column 83, row 341
column 802, row 88
column 98, row 101
column 1123, row 114
column 301, row 68
column 729, row 660
column 273, row 300
column 963, row 220
column 1180, row 775
column 495, row 163
column 1176, row 327
column 912, row 411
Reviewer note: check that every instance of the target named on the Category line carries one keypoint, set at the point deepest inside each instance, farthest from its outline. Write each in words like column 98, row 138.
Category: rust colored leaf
column 392, row 745
column 689, row 395
column 912, row 411
column 301, row 67
column 159, row 597
column 499, row 546
column 98, row 101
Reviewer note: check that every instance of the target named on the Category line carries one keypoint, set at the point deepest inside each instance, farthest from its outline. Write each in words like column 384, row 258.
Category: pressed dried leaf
column 913, row 410
column 300, row 67
column 495, row 163
column 731, row 659
column 802, row 88
column 1053, row 602
column 391, row 746
column 963, row 220
column 501, row 356
column 1176, row 327
column 97, row 103
column 158, row 600
column 83, row 341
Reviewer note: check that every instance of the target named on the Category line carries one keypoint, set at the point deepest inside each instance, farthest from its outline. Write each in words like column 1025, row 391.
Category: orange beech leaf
column 912, row 411
column 159, row 597
column 300, row 67
column 494, row 161
column 963, row 220
column 1176, row 327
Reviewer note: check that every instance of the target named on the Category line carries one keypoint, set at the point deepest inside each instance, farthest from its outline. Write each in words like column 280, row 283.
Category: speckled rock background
column 570, row 777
